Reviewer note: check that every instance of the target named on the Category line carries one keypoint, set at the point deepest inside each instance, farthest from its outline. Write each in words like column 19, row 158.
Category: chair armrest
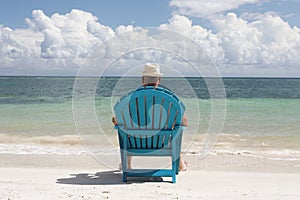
column 180, row 127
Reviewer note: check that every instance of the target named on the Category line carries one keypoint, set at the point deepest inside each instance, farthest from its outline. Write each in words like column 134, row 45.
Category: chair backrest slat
column 143, row 142
column 149, row 142
column 138, row 142
column 158, row 112
column 154, row 141
column 149, row 109
column 172, row 116
column 141, row 111
column 134, row 114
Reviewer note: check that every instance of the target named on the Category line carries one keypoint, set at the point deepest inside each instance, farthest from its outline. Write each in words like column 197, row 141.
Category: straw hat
column 151, row 69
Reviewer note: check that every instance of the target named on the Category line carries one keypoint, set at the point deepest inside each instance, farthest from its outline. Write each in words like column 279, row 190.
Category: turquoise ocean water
column 261, row 113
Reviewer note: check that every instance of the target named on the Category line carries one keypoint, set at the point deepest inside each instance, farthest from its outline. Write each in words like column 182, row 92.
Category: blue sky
column 243, row 37
column 112, row 12
column 142, row 13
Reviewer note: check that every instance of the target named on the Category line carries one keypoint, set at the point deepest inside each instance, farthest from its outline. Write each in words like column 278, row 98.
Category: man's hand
column 114, row 121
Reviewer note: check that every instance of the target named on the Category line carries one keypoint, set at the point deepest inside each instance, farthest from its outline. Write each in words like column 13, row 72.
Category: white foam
column 271, row 154
column 41, row 149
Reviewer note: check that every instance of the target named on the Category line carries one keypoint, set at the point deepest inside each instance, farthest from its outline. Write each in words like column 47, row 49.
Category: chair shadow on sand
column 113, row 177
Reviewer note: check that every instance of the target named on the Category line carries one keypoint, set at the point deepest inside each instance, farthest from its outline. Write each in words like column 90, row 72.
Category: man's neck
column 151, row 84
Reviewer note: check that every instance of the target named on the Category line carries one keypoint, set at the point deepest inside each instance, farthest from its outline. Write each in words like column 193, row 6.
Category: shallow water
column 261, row 114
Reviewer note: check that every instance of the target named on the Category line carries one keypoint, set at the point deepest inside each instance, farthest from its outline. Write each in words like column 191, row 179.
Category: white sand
column 81, row 177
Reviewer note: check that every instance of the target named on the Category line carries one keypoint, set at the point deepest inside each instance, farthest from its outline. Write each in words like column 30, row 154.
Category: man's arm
column 184, row 121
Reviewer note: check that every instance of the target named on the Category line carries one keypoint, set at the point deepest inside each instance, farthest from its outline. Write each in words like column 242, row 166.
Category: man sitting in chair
column 151, row 77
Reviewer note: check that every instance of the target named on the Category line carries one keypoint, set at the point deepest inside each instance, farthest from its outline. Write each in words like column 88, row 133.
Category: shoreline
column 228, row 163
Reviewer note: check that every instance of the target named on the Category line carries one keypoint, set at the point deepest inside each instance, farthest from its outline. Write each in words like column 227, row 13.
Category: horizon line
column 74, row 76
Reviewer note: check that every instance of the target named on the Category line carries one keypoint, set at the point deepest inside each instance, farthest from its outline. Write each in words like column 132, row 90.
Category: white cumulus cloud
column 205, row 8
column 50, row 43
column 268, row 40
column 264, row 45
column 68, row 35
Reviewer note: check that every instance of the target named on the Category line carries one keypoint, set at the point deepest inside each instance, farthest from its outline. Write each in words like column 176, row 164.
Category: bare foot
column 182, row 165
column 120, row 167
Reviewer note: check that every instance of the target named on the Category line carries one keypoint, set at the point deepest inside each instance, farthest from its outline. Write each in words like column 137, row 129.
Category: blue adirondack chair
column 149, row 125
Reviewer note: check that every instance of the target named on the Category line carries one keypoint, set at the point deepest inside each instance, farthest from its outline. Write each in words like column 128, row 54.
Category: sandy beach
column 82, row 177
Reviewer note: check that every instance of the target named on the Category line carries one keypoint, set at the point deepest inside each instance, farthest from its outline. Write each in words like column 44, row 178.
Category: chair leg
column 174, row 162
column 174, row 169
column 124, row 177
column 124, row 157
column 124, row 163
column 177, row 165
column 174, row 178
